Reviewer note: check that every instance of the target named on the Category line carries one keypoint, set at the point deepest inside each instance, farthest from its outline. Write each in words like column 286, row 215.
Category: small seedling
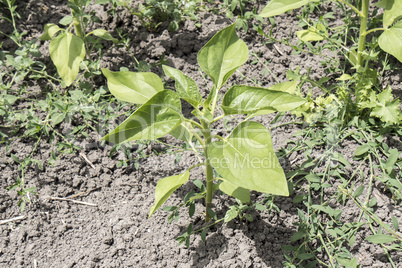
column 245, row 160
column 67, row 50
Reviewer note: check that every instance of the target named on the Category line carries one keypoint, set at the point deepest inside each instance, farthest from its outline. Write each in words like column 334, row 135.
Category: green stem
column 206, row 129
column 351, row 6
column 373, row 30
column 78, row 29
column 363, row 28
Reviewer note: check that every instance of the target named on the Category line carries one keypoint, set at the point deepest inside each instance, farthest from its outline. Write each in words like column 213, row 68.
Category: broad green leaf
column 235, row 191
column 185, row 86
column 67, row 51
column 222, row 55
column 386, row 109
column 181, row 132
column 133, row 87
column 391, row 41
column 277, row 7
column 165, row 187
column 380, row 239
column 154, row 119
column 248, row 100
column 247, row 159
column 101, row 33
column 50, row 30
column 393, row 11
column 10, row 99
column 66, row 20
column 288, row 87
column 311, row 34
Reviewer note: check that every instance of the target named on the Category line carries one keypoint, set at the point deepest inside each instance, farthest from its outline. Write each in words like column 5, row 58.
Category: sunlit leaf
column 277, row 7
column 386, row 109
column 248, row 100
column 247, row 159
column 380, row 239
column 67, row 51
column 391, row 41
column 311, row 34
column 231, row 214
column 393, row 11
column 222, row 55
column 154, row 119
column 50, row 30
column 133, row 87
column 105, row 35
column 165, row 187
column 185, row 86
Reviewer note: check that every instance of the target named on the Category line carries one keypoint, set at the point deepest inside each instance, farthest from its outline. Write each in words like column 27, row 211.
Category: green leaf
column 237, row 192
column 165, row 187
column 204, row 235
column 66, row 20
column 248, row 100
column 181, row 132
column 50, row 30
column 222, row 55
column 247, row 159
column 393, row 11
column 395, row 223
column 10, row 99
column 185, row 86
column 386, row 109
column 344, row 77
column 154, row 119
column 277, row 7
column 305, row 256
column 297, row 236
column 392, row 159
column 391, row 41
column 133, row 87
column 231, row 214
column 57, row 118
column 313, row 34
column 261, row 207
column 105, row 35
column 362, row 149
column 67, row 51
column 288, row 87
column 380, row 239
column 359, row 191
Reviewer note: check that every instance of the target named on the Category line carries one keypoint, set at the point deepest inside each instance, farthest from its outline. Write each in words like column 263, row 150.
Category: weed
column 360, row 93
column 67, row 47
column 154, row 12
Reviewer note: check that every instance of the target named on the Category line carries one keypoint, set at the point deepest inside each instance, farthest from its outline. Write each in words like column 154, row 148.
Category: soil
column 117, row 231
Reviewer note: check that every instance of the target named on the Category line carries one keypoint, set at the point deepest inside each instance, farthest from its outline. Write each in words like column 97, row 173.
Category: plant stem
column 362, row 34
column 351, row 6
column 78, row 29
column 206, row 130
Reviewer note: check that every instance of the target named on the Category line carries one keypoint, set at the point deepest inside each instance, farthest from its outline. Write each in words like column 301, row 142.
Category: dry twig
column 87, row 160
column 71, row 200
column 12, row 219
